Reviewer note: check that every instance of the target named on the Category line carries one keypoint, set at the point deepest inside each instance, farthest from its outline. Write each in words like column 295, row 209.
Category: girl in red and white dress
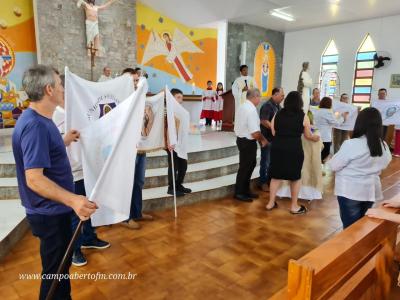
column 208, row 99
column 218, row 106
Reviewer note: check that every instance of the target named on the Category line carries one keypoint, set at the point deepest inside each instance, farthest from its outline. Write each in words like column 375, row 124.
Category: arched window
column 328, row 73
column 364, row 71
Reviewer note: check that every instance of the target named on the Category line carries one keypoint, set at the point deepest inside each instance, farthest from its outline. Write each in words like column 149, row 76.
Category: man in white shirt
column 106, row 74
column 382, row 93
column 247, row 130
column 241, row 85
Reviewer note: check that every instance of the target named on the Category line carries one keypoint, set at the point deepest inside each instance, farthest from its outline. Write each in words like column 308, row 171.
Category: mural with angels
column 17, row 53
column 174, row 54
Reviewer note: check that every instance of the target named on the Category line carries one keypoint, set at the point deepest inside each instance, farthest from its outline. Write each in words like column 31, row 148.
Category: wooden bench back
column 355, row 264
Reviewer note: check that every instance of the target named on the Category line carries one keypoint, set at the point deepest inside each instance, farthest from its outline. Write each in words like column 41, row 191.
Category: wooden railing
column 355, row 264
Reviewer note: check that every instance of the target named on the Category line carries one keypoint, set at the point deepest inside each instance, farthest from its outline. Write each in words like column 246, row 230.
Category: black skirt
column 287, row 158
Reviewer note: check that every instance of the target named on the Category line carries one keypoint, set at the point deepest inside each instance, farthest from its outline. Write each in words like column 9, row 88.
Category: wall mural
column 174, row 54
column 17, row 53
column 264, row 68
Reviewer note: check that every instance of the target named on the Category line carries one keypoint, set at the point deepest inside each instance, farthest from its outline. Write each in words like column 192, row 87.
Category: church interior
column 208, row 238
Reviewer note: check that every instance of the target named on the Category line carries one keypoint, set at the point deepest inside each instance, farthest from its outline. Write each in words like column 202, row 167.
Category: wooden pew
column 357, row 263
column 228, row 112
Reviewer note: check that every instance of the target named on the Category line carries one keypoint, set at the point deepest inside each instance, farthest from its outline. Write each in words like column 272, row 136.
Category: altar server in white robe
column 208, row 98
column 241, row 85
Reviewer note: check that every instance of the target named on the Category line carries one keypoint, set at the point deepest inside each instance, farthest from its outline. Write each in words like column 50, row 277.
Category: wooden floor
column 216, row 250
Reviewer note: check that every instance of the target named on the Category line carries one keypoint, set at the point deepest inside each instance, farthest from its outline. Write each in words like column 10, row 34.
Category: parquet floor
column 222, row 249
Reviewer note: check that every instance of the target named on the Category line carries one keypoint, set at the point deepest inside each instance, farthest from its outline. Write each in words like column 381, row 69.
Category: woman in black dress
column 287, row 151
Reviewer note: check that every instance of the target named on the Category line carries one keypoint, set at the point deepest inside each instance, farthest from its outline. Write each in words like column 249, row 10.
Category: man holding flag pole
column 136, row 213
column 178, row 130
column 107, row 145
column 44, row 176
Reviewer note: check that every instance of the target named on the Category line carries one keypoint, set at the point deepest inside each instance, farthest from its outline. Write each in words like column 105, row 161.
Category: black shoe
column 96, row 244
column 178, row 192
column 252, row 195
column 183, row 189
column 302, row 210
column 243, row 198
column 78, row 259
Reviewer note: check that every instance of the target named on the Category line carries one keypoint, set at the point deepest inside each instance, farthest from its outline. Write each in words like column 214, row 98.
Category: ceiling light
column 282, row 15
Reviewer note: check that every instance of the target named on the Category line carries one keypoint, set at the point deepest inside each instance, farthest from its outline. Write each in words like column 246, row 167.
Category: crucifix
column 92, row 22
column 92, row 52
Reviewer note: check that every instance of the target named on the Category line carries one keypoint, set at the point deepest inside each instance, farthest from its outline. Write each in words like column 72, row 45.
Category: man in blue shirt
column 267, row 112
column 44, row 175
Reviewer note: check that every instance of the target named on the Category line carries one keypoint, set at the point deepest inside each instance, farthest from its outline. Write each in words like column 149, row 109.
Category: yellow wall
column 203, row 66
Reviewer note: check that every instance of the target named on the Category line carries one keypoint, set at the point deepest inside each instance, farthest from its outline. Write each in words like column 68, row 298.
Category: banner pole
column 173, row 181
column 170, row 151
column 54, row 284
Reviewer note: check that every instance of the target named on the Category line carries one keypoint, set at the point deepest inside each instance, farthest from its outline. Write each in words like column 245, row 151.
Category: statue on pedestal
column 304, row 86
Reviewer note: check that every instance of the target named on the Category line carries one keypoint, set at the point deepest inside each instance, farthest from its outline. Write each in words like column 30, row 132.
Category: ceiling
column 308, row 13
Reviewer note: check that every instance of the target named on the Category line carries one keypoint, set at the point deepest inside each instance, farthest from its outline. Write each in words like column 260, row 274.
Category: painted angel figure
column 92, row 23
column 172, row 48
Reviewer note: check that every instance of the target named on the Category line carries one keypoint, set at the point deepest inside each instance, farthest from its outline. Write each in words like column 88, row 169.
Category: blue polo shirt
column 37, row 144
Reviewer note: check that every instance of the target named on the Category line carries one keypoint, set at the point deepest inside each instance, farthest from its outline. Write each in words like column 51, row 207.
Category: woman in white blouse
column 358, row 165
column 324, row 120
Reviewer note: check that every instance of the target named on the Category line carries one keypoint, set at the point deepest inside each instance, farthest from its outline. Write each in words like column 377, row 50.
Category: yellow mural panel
column 17, row 53
column 153, row 20
column 174, row 53
column 14, row 12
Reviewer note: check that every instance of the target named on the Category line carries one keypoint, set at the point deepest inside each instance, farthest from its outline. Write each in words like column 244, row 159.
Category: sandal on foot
column 275, row 206
column 302, row 210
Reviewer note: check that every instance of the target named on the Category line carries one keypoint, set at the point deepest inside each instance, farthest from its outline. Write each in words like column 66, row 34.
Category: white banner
column 341, row 107
column 108, row 151
column 389, row 109
column 153, row 124
column 87, row 101
column 178, row 125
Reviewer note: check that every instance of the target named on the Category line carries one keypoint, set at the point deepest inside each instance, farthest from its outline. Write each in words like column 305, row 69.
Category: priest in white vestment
column 241, row 85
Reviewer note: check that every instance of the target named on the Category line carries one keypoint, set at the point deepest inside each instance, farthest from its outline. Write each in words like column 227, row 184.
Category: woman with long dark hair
column 358, row 165
column 287, row 154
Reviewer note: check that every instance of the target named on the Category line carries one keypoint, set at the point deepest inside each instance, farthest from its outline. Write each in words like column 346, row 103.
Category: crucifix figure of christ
column 92, row 23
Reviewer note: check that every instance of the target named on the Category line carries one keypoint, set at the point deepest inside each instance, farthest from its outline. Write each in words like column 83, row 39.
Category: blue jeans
column 88, row 233
column 138, row 183
column 264, row 164
column 351, row 210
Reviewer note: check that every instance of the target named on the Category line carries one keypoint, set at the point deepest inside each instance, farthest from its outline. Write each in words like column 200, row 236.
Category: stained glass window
column 328, row 73
column 364, row 71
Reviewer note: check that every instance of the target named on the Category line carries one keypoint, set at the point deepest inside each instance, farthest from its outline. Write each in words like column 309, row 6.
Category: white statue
column 304, row 86
column 92, row 23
